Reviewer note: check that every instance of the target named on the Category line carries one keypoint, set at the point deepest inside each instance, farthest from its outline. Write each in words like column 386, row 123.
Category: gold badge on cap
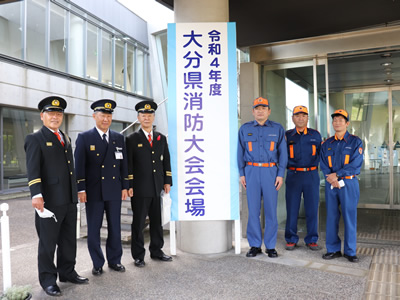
column 108, row 105
column 55, row 102
column 147, row 106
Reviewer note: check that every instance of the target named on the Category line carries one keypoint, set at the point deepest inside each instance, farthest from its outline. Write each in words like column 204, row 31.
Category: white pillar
column 203, row 237
column 5, row 247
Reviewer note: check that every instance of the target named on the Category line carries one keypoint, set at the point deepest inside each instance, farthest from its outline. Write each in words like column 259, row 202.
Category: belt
column 261, row 164
column 348, row 177
column 302, row 169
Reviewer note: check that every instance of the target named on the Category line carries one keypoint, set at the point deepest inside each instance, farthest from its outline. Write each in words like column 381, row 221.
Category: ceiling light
column 386, row 64
column 386, row 55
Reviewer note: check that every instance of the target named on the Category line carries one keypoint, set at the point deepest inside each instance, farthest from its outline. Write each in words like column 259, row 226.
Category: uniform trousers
column 260, row 182
column 141, row 207
column 297, row 184
column 60, row 234
column 342, row 201
column 94, row 215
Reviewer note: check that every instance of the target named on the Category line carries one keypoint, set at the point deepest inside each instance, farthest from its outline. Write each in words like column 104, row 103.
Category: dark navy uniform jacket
column 303, row 149
column 50, row 168
column 99, row 172
column 262, row 144
column 149, row 167
column 343, row 157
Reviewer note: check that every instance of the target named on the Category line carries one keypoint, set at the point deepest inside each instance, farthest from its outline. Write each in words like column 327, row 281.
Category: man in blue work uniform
column 262, row 159
column 102, row 175
column 302, row 178
column 341, row 161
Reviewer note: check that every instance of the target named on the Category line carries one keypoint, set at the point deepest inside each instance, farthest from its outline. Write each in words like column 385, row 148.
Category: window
column 58, row 47
column 35, row 32
column 106, row 58
column 10, row 29
column 75, row 51
column 92, row 71
column 119, row 62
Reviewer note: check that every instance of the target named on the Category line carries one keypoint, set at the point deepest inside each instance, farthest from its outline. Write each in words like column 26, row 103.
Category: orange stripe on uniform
column 291, row 151
column 330, row 161
column 271, row 148
column 314, row 150
column 346, row 159
column 250, row 146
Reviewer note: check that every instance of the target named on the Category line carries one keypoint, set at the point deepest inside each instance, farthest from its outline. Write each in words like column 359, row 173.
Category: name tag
column 118, row 155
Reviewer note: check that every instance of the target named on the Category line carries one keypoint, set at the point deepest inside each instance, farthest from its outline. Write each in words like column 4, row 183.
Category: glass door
column 369, row 120
column 396, row 147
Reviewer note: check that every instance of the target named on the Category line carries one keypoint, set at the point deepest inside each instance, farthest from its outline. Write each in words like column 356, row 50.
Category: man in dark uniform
column 150, row 172
column 341, row 161
column 262, row 160
column 52, row 185
column 302, row 178
column 102, row 174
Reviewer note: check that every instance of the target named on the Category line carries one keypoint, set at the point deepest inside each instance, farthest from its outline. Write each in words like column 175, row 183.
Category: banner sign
column 202, row 121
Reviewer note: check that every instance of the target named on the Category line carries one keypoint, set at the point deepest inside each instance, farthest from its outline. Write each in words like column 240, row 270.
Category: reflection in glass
column 35, row 32
column 10, row 29
column 58, row 48
column 396, row 141
column 106, row 58
column 76, row 46
column 369, row 120
column 130, row 67
column 17, row 124
column 140, row 72
column 92, row 69
column 119, row 63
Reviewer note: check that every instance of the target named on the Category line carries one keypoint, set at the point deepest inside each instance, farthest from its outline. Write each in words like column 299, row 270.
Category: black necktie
column 105, row 139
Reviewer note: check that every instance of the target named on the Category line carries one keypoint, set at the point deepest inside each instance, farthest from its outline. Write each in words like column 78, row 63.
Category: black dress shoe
column 350, row 258
column 271, row 253
column 97, row 271
column 162, row 257
column 139, row 263
column 53, row 290
column 117, row 267
column 253, row 252
column 332, row 255
column 77, row 279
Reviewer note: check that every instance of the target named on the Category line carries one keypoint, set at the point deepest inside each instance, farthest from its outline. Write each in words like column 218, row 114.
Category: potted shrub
column 17, row 293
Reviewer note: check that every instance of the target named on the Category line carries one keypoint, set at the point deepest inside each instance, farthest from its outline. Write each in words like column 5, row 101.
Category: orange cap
column 300, row 109
column 341, row 112
column 260, row 101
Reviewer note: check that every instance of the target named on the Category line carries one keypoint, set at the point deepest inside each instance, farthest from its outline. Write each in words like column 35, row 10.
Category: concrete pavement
column 298, row 274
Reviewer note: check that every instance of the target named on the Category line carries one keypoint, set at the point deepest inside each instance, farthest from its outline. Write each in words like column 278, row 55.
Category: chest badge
column 49, row 144
column 92, row 148
column 140, row 145
column 250, row 134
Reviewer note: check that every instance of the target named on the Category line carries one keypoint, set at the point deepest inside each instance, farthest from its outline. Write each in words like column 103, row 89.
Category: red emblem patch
column 360, row 150
column 159, row 138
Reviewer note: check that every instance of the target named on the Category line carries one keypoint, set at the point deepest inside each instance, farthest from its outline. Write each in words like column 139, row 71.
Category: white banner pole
column 5, row 247
column 172, row 237
column 237, row 237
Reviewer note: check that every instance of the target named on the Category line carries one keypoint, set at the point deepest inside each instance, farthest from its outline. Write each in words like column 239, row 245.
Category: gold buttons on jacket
column 154, row 171
column 69, row 161
column 152, row 152
column 102, row 166
column 102, row 177
column 114, row 166
column 154, row 162
column 70, row 173
column 98, row 154
column 113, row 177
